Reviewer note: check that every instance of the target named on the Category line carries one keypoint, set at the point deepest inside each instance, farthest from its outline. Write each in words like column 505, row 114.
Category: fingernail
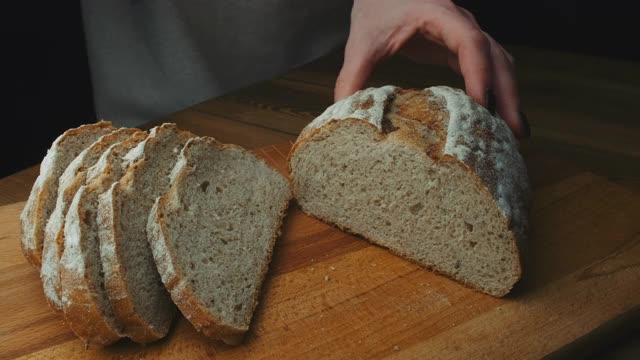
column 526, row 130
column 491, row 102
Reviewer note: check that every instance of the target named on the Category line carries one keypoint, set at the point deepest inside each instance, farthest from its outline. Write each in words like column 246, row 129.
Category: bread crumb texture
column 428, row 173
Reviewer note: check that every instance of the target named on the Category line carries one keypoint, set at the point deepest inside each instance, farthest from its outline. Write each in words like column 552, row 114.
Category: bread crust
column 112, row 251
column 54, row 232
column 82, row 310
column 175, row 279
column 137, row 328
column 86, row 321
column 31, row 219
column 434, row 119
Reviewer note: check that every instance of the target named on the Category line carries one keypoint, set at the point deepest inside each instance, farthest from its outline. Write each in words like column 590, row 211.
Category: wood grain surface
column 333, row 295
column 581, row 284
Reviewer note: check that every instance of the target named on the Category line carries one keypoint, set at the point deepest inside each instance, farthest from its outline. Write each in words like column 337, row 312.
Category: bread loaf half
column 429, row 174
column 70, row 181
column 213, row 232
column 86, row 306
column 140, row 301
column 42, row 199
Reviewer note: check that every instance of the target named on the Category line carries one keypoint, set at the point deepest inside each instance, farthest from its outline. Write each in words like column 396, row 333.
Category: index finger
column 471, row 46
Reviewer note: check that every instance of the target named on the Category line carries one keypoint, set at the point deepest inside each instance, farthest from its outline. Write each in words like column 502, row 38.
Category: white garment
column 151, row 58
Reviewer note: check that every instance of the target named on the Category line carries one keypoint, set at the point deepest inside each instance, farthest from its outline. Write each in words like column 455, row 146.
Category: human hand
column 432, row 31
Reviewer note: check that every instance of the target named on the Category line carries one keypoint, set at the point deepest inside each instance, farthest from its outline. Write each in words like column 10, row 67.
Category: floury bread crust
column 429, row 174
column 85, row 303
column 140, row 301
column 42, row 199
column 70, row 181
column 212, row 234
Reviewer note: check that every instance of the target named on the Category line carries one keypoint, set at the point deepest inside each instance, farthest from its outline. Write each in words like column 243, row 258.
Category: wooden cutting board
column 333, row 295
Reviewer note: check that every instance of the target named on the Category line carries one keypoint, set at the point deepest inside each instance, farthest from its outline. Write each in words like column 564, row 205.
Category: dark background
column 602, row 28
column 49, row 90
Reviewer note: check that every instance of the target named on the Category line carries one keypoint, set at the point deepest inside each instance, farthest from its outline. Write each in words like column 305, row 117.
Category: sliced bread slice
column 42, row 199
column 212, row 234
column 140, row 301
column 70, row 181
column 429, row 174
column 84, row 300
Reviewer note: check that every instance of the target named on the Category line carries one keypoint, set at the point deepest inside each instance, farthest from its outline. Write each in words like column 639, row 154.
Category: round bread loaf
column 429, row 174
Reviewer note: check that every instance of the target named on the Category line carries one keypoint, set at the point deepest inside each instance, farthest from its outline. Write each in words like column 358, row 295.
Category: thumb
column 355, row 71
